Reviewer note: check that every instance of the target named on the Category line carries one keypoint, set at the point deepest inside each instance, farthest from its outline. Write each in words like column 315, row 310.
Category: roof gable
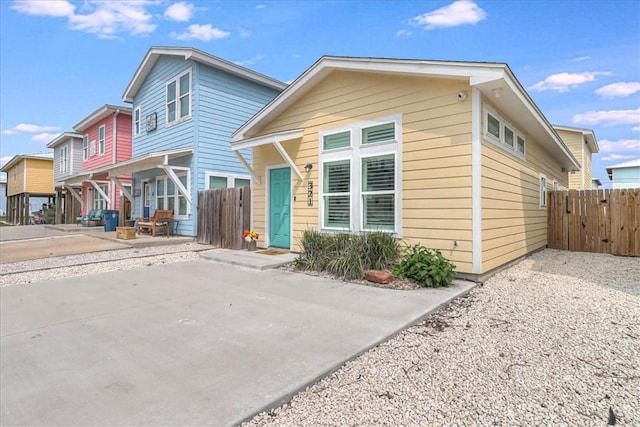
column 493, row 80
column 100, row 114
column 154, row 53
column 63, row 137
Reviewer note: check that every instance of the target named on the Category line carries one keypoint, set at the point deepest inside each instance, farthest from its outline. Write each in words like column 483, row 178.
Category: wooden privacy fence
column 223, row 215
column 606, row 221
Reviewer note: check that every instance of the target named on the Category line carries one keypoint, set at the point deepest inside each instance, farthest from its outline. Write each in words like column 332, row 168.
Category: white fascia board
column 63, row 137
column 100, row 114
column 271, row 138
column 144, row 162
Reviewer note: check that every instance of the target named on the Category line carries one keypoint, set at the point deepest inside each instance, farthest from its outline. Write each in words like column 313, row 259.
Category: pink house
column 106, row 140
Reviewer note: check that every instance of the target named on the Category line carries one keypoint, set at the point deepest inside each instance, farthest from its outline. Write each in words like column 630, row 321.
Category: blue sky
column 579, row 60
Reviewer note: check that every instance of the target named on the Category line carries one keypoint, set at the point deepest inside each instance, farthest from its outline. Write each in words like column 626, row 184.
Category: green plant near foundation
column 347, row 255
column 427, row 267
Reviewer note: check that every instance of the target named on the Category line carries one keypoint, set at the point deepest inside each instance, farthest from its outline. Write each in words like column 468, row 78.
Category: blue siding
column 220, row 104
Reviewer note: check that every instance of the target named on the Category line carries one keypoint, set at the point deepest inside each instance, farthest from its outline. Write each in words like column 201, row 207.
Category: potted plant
column 251, row 237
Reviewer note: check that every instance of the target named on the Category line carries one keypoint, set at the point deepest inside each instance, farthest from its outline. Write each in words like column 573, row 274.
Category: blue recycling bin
column 110, row 219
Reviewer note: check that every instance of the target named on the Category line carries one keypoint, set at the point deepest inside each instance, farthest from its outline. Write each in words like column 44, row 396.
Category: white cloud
column 201, row 32
column 459, row 12
column 180, row 11
column 244, row 33
column 617, row 157
column 581, row 58
column 108, row 19
column 251, row 61
column 562, row 82
column 4, row 160
column 260, row 6
column 58, row 8
column 403, row 33
column 636, row 128
column 618, row 90
column 43, row 137
column 609, row 118
column 29, row 128
column 607, row 146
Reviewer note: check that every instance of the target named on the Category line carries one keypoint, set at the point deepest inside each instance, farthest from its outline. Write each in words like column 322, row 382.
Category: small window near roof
column 493, row 126
column 508, row 137
column 381, row 133
column 337, row 140
column 520, row 146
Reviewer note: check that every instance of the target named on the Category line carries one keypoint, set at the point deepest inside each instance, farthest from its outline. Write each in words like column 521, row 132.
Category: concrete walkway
column 195, row 343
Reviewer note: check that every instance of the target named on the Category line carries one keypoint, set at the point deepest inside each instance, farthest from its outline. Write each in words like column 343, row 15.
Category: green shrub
column 347, row 255
column 424, row 266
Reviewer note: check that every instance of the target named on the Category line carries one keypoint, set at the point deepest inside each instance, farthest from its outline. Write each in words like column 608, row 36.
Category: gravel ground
column 553, row 340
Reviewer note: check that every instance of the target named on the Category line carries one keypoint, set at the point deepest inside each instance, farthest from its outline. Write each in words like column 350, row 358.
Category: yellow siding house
column 583, row 144
column 452, row 155
column 28, row 175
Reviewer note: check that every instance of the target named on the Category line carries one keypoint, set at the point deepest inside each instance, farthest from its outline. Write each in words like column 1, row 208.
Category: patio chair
column 160, row 221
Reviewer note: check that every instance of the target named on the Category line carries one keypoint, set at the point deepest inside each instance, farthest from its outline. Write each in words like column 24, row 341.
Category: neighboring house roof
column 102, row 112
column 196, row 55
column 494, row 80
column 630, row 164
column 596, row 181
column 589, row 136
column 63, row 137
column 47, row 155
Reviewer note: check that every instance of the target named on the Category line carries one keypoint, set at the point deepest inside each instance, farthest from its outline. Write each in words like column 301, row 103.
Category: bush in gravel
column 427, row 267
column 347, row 255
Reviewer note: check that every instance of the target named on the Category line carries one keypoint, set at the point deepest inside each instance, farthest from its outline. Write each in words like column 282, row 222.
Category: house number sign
column 310, row 193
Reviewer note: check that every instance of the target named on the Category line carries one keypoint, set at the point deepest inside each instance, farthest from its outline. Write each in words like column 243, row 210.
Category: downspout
column 114, row 151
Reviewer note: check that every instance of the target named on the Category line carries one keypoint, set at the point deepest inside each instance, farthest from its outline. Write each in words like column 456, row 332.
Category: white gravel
column 97, row 262
column 553, row 340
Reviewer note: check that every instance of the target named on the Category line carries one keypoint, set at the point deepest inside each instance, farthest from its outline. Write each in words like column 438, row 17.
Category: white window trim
column 177, row 100
column 501, row 142
column 556, row 186
column 543, row 191
column 85, row 147
column 137, row 129
column 102, row 142
column 177, row 193
column 64, row 158
column 355, row 153
column 231, row 177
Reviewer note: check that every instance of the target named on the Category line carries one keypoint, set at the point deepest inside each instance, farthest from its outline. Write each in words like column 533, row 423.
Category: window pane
column 184, row 106
column 171, row 112
column 378, row 173
column 184, row 84
column 182, row 209
column 160, row 203
column 171, row 92
column 520, row 147
column 160, row 187
column 508, row 137
column 379, row 212
column 217, row 182
column 240, row 182
column 171, row 203
column 493, row 126
column 337, row 177
column 380, row 133
column 338, row 140
column 171, row 188
column 336, row 211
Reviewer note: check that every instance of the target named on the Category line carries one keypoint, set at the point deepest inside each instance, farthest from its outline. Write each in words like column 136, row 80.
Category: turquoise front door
column 280, row 208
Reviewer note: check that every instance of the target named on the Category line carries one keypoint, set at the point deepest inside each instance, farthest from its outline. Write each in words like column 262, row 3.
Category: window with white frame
column 99, row 202
column 64, row 159
column 556, row 186
column 168, row 196
column 360, row 176
column 179, row 98
column 215, row 180
column 85, row 147
column 543, row 191
column 136, row 121
column 101, row 137
column 498, row 131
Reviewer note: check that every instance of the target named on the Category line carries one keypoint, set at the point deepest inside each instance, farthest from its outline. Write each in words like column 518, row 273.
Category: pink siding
column 122, row 153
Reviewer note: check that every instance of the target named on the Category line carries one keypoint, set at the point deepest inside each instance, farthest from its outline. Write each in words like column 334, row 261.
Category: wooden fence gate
column 606, row 221
column 223, row 215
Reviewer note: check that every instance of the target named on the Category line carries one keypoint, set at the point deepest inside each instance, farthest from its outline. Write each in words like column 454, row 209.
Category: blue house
column 186, row 105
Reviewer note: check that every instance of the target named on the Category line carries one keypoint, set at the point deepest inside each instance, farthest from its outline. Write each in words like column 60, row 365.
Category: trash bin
column 110, row 219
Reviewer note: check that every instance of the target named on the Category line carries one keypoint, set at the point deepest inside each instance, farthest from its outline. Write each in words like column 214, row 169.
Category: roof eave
column 62, row 138
column 100, row 114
